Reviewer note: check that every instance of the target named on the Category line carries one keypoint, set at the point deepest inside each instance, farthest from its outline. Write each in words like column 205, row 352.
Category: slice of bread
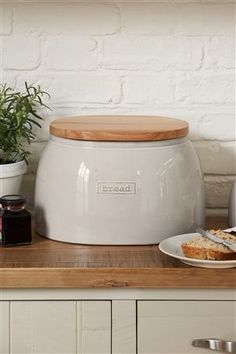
column 202, row 248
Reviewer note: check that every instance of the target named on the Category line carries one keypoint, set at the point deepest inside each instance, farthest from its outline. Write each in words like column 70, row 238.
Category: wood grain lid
column 119, row 128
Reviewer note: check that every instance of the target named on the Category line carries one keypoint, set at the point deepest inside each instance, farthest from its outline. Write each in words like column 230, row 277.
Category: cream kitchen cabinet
column 4, row 327
column 93, row 327
column 42, row 327
column 124, row 327
column 115, row 321
column 68, row 327
column 171, row 326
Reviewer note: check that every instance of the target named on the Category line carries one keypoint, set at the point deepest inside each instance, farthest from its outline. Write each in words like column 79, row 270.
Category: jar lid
column 12, row 200
column 119, row 128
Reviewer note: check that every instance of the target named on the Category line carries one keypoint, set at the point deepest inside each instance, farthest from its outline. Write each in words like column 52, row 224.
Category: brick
column 217, row 157
column 20, row 76
column 70, row 53
column 217, row 127
column 206, row 88
column 148, row 18
column 219, row 52
column 157, row 53
column 77, row 19
column 204, row 19
column 218, row 190
column 5, row 20
column 148, row 88
column 76, row 87
column 68, row 88
column 8, row 77
column 21, row 52
column 210, row 122
column 191, row 19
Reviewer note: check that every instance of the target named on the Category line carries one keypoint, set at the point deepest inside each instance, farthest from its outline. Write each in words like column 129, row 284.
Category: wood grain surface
column 119, row 128
column 52, row 264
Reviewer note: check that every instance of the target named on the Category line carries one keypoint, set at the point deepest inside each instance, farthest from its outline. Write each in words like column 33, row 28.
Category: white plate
column 172, row 247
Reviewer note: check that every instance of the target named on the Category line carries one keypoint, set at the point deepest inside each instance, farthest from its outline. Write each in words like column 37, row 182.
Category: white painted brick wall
column 84, row 19
column 152, row 53
column 78, row 53
column 212, row 88
column 159, row 57
column 21, row 52
column 196, row 19
column 148, row 88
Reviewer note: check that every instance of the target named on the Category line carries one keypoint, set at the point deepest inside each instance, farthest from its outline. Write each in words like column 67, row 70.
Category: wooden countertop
column 51, row 264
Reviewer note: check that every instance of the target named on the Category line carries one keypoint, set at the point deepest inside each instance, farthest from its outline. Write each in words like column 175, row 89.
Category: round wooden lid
column 119, row 128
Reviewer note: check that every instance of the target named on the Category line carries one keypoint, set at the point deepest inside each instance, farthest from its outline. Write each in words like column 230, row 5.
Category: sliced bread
column 201, row 248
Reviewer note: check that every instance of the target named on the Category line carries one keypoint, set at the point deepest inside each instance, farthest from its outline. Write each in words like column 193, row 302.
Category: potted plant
column 18, row 116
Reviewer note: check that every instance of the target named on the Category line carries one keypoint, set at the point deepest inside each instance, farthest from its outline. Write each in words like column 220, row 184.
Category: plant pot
column 11, row 176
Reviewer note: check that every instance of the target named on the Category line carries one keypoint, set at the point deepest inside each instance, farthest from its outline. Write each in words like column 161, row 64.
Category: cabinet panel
column 170, row 326
column 4, row 327
column 43, row 327
column 123, row 327
column 94, row 327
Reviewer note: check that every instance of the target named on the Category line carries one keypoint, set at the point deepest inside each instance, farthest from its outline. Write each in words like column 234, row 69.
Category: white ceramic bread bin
column 118, row 180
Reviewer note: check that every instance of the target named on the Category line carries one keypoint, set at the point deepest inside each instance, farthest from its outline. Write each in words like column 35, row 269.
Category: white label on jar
column 116, row 187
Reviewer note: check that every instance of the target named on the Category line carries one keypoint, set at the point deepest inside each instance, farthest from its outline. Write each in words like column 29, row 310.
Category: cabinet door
column 170, row 326
column 94, row 327
column 4, row 327
column 43, row 327
column 123, row 327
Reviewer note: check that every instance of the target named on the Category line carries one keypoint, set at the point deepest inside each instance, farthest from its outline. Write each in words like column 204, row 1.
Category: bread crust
column 206, row 253
column 202, row 248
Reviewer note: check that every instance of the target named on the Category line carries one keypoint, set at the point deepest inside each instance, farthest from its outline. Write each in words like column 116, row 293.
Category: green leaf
column 16, row 122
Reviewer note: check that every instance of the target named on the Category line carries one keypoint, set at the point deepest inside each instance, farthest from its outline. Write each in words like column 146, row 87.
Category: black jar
column 16, row 221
